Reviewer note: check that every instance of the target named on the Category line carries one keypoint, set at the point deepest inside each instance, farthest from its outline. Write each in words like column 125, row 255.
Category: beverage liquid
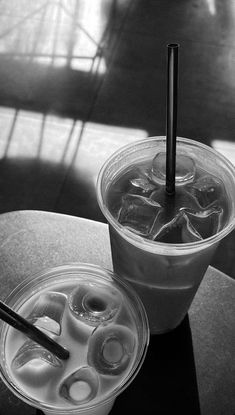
column 96, row 322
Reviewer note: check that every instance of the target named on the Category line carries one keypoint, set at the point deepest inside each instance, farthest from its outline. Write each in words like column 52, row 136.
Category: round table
column 190, row 370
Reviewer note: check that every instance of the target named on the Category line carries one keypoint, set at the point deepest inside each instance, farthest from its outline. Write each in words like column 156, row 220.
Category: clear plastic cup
column 97, row 317
column 165, row 275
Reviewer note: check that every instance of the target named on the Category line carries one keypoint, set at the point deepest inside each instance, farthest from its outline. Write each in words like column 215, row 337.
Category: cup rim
column 147, row 244
column 47, row 275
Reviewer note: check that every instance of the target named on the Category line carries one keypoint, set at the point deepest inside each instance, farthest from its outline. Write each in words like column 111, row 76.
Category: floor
column 80, row 78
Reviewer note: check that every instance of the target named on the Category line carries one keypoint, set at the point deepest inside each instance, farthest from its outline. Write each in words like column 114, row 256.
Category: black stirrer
column 21, row 324
column 171, row 117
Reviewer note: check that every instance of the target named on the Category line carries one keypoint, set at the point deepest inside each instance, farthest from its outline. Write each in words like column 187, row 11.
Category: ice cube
column 204, row 223
column 35, row 356
column 94, row 303
column 184, row 169
column 140, row 183
column 48, row 312
column 138, row 213
column 173, row 204
column 81, row 386
column 34, row 366
column 111, row 349
column 189, row 226
column 169, row 219
column 169, row 232
column 188, row 232
column 207, row 190
column 143, row 185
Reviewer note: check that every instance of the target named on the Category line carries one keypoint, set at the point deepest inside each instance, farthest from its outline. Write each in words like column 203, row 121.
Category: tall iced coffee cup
column 101, row 322
column 163, row 244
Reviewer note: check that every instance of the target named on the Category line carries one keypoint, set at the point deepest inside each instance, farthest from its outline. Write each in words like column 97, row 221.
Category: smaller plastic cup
column 97, row 317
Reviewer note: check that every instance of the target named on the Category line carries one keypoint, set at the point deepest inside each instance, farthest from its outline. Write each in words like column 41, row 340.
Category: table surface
column 188, row 371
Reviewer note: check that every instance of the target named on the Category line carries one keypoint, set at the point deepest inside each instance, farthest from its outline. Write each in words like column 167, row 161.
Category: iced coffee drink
column 98, row 319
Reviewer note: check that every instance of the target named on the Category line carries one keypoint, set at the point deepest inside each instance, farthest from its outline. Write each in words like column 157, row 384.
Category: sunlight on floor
column 99, row 141
column 53, row 139
column 28, row 134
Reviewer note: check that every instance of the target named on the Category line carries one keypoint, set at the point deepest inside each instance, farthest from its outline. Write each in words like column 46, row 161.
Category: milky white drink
column 163, row 244
column 98, row 319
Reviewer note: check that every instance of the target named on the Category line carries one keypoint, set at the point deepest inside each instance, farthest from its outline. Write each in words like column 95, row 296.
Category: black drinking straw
column 21, row 324
column 171, row 118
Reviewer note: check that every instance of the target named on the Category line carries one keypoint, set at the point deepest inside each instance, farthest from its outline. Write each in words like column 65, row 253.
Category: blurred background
column 81, row 78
